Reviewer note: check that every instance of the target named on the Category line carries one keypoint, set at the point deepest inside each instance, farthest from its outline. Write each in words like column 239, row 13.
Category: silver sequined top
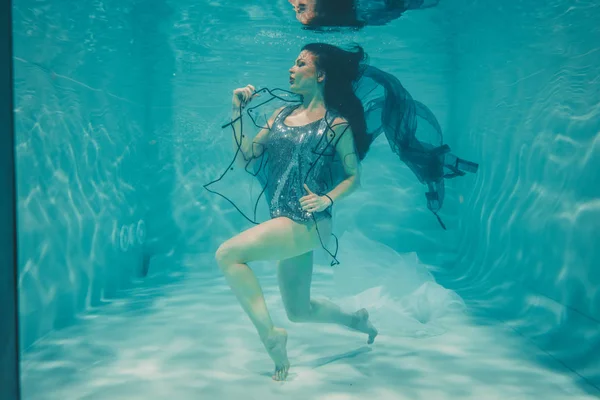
column 298, row 155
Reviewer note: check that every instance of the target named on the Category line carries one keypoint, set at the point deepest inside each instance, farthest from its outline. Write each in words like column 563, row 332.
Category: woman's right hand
column 242, row 96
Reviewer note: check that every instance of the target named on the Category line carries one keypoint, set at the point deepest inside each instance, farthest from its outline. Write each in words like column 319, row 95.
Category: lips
column 291, row 80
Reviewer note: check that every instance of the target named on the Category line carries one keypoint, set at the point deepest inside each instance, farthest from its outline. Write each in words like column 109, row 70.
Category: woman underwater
column 330, row 117
column 307, row 157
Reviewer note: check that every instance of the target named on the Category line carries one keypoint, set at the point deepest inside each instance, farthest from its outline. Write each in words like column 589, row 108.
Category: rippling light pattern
column 80, row 155
column 118, row 114
column 528, row 109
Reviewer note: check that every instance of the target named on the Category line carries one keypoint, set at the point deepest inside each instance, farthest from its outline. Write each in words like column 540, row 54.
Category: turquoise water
column 118, row 114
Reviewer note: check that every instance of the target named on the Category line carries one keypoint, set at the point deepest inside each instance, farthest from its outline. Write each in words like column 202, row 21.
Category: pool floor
column 188, row 339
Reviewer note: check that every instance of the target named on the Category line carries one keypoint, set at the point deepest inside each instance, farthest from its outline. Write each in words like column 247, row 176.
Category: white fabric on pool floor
column 189, row 339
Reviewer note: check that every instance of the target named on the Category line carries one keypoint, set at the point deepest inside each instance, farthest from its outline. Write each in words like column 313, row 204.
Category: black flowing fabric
column 412, row 131
column 269, row 181
column 381, row 12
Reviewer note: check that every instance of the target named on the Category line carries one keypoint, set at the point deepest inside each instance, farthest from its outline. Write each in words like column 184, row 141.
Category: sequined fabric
column 297, row 155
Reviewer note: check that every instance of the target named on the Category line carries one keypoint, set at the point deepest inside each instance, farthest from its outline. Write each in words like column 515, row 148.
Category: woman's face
column 304, row 77
column 305, row 10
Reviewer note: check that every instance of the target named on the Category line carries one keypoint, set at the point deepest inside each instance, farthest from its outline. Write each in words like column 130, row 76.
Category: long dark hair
column 341, row 69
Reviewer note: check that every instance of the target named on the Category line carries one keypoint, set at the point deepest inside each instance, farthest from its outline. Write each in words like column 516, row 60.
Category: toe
column 277, row 375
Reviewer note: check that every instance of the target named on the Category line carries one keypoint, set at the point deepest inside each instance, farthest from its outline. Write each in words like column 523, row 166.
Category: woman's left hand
column 314, row 203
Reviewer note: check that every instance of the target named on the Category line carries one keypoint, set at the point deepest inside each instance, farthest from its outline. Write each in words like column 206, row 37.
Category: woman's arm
column 249, row 150
column 346, row 151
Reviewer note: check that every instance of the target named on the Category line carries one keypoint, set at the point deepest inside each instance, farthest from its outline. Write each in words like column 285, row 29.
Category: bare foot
column 276, row 346
column 362, row 324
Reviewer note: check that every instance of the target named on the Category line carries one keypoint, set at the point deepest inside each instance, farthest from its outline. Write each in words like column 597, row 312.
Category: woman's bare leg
column 295, row 275
column 275, row 239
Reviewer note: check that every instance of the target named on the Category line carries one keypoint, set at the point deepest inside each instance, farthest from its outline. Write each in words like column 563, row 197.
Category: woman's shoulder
column 277, row 113
column 338, row 121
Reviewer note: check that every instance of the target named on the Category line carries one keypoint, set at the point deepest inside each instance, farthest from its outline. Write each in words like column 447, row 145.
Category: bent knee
column 226, row 255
